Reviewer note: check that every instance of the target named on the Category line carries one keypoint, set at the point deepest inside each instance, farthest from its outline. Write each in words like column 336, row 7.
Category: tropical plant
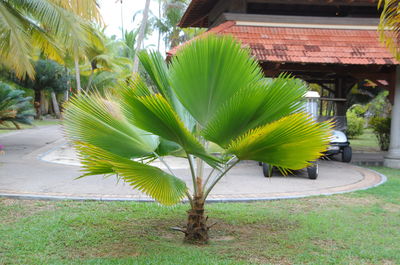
column 49, row 76
column 44, row 24
column 381, row 129
column 141, row 35
column 389, row 26
column 14, row 106
column 104, row 56
column 355, row 124
column 212, row 92
column 172, row 11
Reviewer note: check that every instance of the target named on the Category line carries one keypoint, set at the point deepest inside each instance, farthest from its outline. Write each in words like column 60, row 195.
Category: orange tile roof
column 308, row 45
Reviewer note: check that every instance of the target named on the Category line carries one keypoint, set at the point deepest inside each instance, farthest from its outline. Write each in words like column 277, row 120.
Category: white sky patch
column 114, row 17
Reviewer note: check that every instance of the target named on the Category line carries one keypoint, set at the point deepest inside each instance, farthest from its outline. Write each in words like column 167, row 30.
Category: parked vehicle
column 339, row 143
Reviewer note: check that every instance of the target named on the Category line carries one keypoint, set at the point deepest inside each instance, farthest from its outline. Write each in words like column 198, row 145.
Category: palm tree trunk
column 37, row 104
column 56, row 107
column 43, row 103
column 159, row 32
column 141, row 36
column 196, row 228
column 77, row 74
column 90, row 80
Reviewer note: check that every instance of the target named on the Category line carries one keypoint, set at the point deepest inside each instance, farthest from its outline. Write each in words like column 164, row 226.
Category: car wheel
column 312, row 171
column 267, row 170
column 346, row 154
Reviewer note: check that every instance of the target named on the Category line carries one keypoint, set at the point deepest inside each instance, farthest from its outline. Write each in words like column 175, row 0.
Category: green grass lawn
column 11, row 128
column 356, row 228
column 367, row 142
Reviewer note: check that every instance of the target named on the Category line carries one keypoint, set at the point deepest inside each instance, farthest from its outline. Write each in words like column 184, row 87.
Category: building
column 333, row 43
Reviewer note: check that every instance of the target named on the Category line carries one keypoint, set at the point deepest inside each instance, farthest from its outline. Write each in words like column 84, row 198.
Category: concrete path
column 24, row 173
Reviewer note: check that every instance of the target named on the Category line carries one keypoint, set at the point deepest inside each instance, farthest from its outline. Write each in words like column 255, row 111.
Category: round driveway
column 39, row 164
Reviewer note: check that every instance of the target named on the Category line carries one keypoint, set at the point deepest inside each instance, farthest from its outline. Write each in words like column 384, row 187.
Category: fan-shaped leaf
column 253, row 106
column 207, row 72
column 99, row 122
column 154, row 114
column 163, row 187
column 290, row 143
column 157, row 69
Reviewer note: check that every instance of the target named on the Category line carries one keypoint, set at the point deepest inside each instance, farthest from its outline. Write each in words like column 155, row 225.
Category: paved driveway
column 23, row 173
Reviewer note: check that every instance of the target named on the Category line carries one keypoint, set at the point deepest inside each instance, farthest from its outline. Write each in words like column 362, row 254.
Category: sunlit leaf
column 290, row 143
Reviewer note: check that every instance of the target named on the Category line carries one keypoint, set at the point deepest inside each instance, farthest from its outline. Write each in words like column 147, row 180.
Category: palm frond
column 207, row 72
column 389, row 25
column 291, row 142
column 15, row 45
column 154, row 114
column 87, row 9
column 158, row 71
column 255, row 105
column 99, row 122
column 161, row 186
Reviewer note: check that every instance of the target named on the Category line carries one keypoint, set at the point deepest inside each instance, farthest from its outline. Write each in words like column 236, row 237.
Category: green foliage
column 14, row 107
column 381, row 128
column 49, row 76
column 172, row 11
column 355, row 124
column 389, row 26
column 358, row 109
column 213, row 92
column 27, row 26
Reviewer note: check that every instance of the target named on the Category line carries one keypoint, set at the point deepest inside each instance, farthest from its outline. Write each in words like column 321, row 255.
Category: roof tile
column 308, row 45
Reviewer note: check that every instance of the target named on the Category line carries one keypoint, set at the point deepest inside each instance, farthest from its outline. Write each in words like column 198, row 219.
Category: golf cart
column 339, row 142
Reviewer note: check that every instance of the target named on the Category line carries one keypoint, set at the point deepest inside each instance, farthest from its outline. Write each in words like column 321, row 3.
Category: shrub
column 14, row 106
column 355, row 125
column 381, row 128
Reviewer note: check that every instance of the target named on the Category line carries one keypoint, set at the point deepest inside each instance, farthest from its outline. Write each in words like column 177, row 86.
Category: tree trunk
column 56, row 108
column 43, row 105
column 90, row 80
column 141, row 36
column 159, row 32
column 37, row 105
column 196, row 228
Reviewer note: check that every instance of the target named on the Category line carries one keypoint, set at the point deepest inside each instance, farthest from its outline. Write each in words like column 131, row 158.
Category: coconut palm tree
column 389, row 25
column 141, row 35
column 104, row 56
column 167, row 25
column 44, row 24
column 212, row 92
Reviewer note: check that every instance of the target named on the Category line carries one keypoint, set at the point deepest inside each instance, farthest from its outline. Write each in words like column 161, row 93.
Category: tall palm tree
column 141, row 35
column 172, row 12
column 389, row 25
column 212, row 92
column 46, row 24
column 104, row 56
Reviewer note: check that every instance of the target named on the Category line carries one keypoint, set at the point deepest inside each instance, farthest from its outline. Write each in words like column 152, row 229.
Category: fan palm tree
column 14, row 106
column 212, row 92
column 389, row 25
column 44, row 24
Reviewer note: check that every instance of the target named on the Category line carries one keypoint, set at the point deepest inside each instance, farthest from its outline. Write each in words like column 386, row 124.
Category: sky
column 111, row 13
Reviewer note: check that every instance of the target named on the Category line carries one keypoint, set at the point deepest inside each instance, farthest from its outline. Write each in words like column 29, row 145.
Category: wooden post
column 340, row 92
